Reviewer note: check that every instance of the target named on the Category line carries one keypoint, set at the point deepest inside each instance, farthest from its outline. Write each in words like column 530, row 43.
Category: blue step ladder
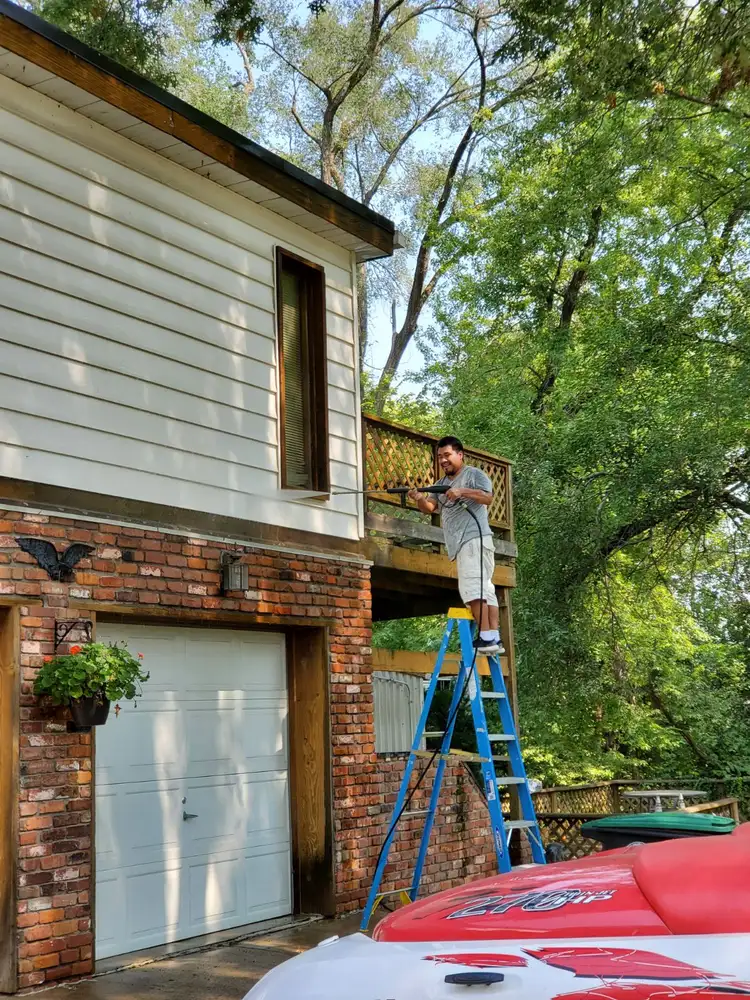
column 467, row 680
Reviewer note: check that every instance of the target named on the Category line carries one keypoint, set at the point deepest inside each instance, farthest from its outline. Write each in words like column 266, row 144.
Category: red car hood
column 699, row 885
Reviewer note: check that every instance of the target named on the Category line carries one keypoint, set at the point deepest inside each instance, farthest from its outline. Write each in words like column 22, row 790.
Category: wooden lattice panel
column 566, row 830
column 498, row 512
column 396, row 456
column 592, row 799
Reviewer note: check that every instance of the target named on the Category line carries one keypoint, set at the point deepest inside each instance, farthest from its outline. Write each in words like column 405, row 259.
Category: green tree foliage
column 132, row 32
column 202, row 75
column 598, row 334
column 694, row 53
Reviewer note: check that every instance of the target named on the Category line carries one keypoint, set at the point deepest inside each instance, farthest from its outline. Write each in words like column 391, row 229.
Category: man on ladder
column 468, row 538
column 469, row 541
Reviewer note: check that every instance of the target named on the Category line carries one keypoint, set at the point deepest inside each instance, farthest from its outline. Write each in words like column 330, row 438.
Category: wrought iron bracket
column 64, row 628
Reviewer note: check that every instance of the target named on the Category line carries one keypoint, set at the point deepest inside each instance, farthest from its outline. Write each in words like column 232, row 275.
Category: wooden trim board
column 384, row 554
column 310, row 775
column 176, row 520
column 402, row 661
column 109, row 611
column 397, row 527
column 9, row 786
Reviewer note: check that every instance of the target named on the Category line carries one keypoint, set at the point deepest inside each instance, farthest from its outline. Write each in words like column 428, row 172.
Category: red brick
column 38, row 933
column 45, row 961
column 64, row 927
column 31, row 979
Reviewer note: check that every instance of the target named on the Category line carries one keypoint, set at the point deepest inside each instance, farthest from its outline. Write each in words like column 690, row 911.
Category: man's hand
column 424, row 502
column 457, row 493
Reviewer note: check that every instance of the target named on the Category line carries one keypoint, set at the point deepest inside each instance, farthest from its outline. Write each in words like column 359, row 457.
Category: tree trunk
column 327, row 152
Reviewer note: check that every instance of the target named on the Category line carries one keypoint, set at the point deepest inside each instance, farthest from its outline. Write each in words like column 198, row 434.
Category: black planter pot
column 88, row 712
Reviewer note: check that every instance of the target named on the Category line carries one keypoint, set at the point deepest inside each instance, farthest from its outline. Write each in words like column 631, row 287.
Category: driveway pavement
column 221, row 972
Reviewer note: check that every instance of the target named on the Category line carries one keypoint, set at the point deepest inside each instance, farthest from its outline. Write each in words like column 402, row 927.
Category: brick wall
column 134, row 568
column 460, row 845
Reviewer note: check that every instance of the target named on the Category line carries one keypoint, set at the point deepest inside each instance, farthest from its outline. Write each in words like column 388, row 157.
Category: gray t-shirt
column 459, row 526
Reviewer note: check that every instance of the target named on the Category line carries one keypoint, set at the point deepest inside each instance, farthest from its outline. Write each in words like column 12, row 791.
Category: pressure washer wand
column 399, row 491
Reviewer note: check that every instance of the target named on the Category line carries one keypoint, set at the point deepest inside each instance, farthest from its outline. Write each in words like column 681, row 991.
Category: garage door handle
column 187, row 816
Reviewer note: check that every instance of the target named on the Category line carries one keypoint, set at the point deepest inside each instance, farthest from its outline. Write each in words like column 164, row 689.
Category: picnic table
column 655, row 795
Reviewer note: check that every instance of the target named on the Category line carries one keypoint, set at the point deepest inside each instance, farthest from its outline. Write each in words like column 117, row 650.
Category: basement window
column 303, row 376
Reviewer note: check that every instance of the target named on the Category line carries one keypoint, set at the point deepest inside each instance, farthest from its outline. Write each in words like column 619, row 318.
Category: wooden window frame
column 315, row 335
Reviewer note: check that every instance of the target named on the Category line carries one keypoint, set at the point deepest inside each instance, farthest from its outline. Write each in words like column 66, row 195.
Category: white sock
column 490, row 635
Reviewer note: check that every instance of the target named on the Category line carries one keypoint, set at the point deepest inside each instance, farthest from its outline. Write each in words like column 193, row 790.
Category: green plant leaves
column 98, row 669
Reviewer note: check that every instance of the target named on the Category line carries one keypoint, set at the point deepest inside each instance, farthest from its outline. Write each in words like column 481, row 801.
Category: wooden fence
column 563, row 810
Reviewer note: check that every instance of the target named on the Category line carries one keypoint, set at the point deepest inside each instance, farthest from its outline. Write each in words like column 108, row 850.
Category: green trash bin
column 648, row 828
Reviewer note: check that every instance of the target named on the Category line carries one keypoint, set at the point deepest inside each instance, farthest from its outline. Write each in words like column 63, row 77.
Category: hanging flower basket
column 88, row 712
column 88, row 678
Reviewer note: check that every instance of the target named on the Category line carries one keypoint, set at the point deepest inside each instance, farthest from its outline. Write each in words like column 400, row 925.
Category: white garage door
column 192, row 799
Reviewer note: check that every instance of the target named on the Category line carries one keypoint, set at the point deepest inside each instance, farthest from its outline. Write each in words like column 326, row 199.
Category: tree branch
column 249, row 86
column 310, row 135
column 417, row 297
column 706, row 102
column 570, row 301
column 658, row 704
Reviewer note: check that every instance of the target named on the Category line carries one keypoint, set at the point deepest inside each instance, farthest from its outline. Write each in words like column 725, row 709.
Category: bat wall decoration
column 59, row 567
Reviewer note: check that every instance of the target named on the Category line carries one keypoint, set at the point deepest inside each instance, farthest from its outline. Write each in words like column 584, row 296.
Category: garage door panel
column 217, row 825
column 216, row 893
column 155, row 901
column 268, row 880
column 137, row 825
column 110, row 911
column 266, row 811
column 263, row 737
column 146, row 743
column 207, row 739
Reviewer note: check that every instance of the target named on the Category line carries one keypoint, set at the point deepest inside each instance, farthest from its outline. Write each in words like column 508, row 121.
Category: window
column 303, row 375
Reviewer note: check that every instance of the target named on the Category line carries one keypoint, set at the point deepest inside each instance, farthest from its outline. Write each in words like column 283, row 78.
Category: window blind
column 296, row 393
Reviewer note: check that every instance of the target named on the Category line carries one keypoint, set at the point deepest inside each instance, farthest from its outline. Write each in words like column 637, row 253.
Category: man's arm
column 424, row 502
column 464, row 493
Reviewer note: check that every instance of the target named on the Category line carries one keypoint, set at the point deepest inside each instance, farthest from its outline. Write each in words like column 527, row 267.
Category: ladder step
column 520, row 824
column 497, row 695
column 501, row 737
column 434, row 736
column 414, row 812
column 510, row 781
column 470, row 758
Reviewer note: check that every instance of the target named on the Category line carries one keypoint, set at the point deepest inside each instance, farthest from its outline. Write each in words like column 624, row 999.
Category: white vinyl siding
column 138, row 329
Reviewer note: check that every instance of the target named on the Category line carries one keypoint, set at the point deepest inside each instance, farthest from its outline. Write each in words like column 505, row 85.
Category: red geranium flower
column 75, row 650
column 140, row 656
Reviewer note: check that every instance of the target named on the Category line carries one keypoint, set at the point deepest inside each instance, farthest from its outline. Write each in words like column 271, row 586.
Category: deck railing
column 395, row 455
column 563, row 810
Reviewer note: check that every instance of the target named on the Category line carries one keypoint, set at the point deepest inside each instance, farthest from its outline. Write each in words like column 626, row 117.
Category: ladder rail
column 467, row 679
column 526, row 802
column 492, row 792
column 445, row 744
column 404, row 795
